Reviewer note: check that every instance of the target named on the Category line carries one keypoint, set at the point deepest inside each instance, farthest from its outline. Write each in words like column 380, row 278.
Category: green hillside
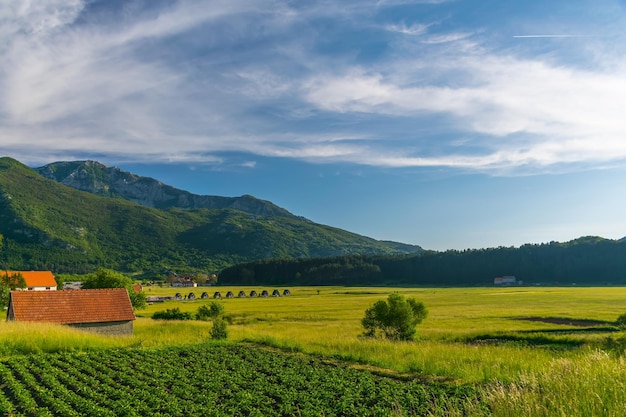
column 49, row 225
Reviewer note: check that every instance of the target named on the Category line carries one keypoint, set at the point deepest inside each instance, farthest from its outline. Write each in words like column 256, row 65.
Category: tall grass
column 156, row 333
column 23, row 338
column 593, row 384
column 438, row 359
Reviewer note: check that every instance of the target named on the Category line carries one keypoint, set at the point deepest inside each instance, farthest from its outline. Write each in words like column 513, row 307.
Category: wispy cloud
column 190, row 80
column 521, row 111
column 551, row 36
column 413, row 30
column 446, row 38
column 402, row 2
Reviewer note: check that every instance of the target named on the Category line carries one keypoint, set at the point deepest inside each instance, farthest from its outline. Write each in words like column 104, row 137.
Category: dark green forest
column 584, row 261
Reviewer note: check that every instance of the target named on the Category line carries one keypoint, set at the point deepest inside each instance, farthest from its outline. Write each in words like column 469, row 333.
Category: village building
column 35, row 280
column 184, row 282
column 107, row 311
column 72, row 285
column 505, row 281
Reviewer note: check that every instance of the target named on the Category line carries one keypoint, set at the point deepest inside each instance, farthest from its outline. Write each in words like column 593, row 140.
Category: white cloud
column 446, row 38
column 37, row 17
column 260, row 84
column 556, row 114
column 551, row 36
column 402, row 2
column 413, row 30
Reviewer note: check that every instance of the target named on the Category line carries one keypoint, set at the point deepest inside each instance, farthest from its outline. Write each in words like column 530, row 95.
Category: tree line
column 587, row 260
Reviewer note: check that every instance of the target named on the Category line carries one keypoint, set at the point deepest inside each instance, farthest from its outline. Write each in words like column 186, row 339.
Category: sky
column 449, row 124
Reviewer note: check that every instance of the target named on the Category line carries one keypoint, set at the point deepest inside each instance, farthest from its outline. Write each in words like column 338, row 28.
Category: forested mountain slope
column 47, row 225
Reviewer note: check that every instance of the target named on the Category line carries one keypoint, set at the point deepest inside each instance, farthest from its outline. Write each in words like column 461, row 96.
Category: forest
column 584, row 261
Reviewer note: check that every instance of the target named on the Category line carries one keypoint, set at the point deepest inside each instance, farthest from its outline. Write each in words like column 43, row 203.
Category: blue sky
column 449, row 124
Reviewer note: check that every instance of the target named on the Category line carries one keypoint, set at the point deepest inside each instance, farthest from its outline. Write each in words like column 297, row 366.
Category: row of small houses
column 218, row 295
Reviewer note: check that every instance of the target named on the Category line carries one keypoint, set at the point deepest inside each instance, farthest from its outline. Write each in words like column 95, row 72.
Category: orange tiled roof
column 72, row 306
column 35, row 278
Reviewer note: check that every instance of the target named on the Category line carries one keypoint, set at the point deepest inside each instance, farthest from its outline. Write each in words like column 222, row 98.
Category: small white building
column 505, row 280
column 184, row 283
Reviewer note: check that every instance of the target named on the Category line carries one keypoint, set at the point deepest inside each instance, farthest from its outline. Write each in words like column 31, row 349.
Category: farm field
column 518, row 351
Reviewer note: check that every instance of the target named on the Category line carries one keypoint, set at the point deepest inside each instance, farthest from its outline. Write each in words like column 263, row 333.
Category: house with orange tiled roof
column 107, row 310
column 35, row 280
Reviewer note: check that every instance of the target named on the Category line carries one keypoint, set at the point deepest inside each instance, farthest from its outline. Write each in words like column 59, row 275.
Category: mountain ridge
column 49, row 225
column 97, row 178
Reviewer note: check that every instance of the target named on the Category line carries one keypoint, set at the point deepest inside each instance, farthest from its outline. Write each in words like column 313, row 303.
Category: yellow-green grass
column 456, row 340
column 44, row 337
column 590, row 385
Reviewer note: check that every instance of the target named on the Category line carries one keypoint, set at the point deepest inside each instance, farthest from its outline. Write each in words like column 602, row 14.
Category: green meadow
column 529, row 350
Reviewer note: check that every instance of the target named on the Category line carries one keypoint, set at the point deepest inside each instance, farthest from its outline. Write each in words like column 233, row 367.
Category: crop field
column 206, row 380
column 519, row 351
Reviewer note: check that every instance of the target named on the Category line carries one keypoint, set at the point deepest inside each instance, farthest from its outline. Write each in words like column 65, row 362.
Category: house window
column 47, row 288
column 30, row 288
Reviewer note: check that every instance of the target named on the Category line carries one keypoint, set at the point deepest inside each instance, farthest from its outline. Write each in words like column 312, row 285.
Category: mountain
column 47, row 224
column 97, row 178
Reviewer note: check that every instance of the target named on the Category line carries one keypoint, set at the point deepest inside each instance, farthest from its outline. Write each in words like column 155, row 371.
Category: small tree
column 107, row 278
column 213, row 310
column 219, row 329
column 394, row 319
column 9, row 282
column 138, row 299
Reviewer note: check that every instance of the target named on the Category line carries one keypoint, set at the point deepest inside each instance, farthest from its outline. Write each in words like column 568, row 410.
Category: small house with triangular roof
column 35, row 280
column 107, row 311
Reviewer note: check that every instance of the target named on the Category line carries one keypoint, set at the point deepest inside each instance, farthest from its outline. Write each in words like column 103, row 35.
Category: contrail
column 550, row 36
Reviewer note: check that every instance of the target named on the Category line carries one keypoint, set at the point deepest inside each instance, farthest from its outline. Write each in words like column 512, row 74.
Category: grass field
column 531, row 350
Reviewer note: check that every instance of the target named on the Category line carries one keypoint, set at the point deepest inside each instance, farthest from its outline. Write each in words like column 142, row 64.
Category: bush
column 394, row 319
column 139, row 300
column 172, row 314
column 621, row 321
column 219, row 329
column 213, row 310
